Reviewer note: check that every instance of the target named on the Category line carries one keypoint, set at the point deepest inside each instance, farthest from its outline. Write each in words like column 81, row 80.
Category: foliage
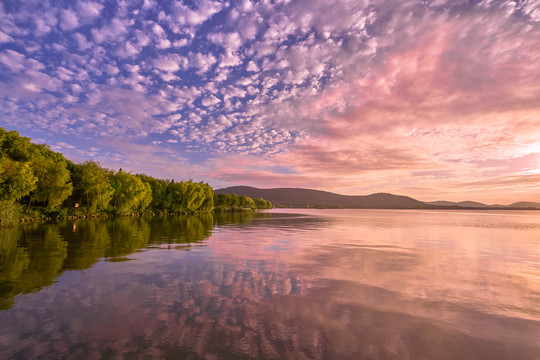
column 199, row 197
column 9, row 213
column 130, row 193
column 36, row 265
column 262, row 204
column 235, row 201
column 158, row 203
column 49, row 185
column 92, row 187
column 190, row 197
column 53, row 180
column 33, row 255
column 247, row 202
column 16, row 179
column 14, row 146
column 33, row 172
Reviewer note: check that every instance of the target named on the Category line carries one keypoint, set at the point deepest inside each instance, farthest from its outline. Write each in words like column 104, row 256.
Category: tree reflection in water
column 34, row 255
column 254, row 286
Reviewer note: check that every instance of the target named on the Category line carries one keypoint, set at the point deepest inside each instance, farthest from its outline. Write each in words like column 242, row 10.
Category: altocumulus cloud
column 351, row 95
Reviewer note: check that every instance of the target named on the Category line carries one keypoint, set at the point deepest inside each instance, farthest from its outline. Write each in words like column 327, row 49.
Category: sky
column 437, row 100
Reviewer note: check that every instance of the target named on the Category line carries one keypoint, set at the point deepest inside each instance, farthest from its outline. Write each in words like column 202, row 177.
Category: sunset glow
column 437, row 100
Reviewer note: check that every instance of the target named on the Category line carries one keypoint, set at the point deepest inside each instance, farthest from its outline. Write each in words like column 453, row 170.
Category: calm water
column 288, row 284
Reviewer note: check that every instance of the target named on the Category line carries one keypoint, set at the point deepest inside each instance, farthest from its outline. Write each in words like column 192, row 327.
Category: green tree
column 247, row 202
column 176, row 191
column 92, row 187
column 221, row 200
column 234, row 200
column 262, row 204
column 190, row 197
column 16, row 179
column 32, row 170
column 14, row 146
column 195, row 196
column 208, row 203
column 53, row 180
column 146, row 197
column 130, row 194
column 10, row 212
column 159, row 203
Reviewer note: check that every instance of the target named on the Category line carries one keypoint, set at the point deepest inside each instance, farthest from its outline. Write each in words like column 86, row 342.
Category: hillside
column 469, row 204
column 295, row 197
column 525, row 204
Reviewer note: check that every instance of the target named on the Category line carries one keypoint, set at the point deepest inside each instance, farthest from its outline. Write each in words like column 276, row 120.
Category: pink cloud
column 453, row 97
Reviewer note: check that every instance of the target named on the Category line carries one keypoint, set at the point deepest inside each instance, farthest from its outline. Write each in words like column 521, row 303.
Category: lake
column 281, row 284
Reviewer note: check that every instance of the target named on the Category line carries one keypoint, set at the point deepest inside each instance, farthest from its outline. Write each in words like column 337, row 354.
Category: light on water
column 285, row 284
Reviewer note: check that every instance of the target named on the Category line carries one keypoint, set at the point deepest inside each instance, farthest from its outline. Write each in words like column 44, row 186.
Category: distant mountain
column 474, row 204
column 461, row 204
column 443, row 203
column 306, row 197
column 525, row 204
column 295, row 197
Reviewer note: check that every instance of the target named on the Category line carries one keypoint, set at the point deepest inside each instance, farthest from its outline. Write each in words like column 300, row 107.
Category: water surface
column 285, row 284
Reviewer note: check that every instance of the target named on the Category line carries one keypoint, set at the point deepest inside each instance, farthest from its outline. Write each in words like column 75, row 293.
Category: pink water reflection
column 319, row 285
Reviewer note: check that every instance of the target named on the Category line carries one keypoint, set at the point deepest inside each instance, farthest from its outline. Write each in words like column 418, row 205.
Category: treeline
column 233, row 201
column 36, row 182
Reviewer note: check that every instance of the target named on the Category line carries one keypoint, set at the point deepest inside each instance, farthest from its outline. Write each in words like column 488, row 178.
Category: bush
column 57, row 213
column 9, row 213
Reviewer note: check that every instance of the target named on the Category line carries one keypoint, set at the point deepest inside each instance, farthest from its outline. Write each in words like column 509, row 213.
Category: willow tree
column 208, row 203
column 33, row 171
column 159, row 203
column 176, row 191
column 53, row 184
column 16, row 179
column 190, row 197
column 130, row 194
column 15, row 146
column 247, row 202
column 195, row 196
column 260, row 203
column 92, row 187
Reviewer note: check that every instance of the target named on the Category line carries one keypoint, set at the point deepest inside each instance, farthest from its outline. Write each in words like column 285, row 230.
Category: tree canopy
column 92, row 186
column 36, row 181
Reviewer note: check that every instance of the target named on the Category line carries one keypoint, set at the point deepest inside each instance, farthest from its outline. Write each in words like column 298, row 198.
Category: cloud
column 149, row 4
column 4, row 38
column 88, row 10
column 252, row 66
column 180, row 43
column 184, row 15
column 366, row 90
column 128, row 50
column 45, row 21
column 164, row 44
column 210, row 100
column 203, row 62
column 158, row 30
column 229, row 59
column 170, row 63
column 13, row 60
column 68, row 20
column 532, row 9
column 114, row 31
column 82, row 41
column 230, row 41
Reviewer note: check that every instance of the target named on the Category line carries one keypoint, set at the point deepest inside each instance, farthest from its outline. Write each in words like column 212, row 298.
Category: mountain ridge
column 300, row 197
